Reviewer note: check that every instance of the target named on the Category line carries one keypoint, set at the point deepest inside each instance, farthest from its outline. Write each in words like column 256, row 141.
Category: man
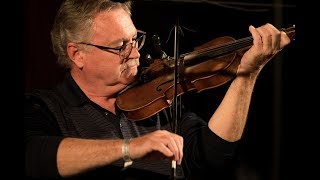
column 75, row 130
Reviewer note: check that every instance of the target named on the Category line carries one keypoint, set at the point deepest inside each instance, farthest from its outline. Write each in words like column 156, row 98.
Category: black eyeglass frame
column 123, row 47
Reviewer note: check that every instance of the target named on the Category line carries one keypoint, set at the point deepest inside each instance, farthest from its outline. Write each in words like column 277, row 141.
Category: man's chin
column 129, row 80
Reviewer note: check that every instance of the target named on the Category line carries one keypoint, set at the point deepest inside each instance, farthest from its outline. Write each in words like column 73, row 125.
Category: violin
column 207, row 66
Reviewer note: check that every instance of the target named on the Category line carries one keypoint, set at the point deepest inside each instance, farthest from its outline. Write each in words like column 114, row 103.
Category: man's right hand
column 160, row 142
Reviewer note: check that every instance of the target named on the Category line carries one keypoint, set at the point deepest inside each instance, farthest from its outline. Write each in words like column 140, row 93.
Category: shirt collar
column 72, row 92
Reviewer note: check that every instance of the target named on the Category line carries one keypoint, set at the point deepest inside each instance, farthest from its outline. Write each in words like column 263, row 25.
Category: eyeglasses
column 124, row 50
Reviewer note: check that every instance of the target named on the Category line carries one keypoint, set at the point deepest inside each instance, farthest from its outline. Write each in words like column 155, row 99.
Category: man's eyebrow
column 123, row 40
column 117, row 42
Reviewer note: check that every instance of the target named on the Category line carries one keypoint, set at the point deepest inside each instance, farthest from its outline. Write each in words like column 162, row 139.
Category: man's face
column 112, row 29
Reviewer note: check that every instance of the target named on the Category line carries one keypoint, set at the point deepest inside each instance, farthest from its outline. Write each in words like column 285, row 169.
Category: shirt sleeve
column 41, row 138
column 204, row 151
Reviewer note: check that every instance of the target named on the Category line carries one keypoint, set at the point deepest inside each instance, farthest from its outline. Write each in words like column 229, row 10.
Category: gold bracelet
column 125, row 153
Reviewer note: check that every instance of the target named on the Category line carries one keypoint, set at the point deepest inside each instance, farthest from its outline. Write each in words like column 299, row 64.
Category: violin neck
column 232, row 46
column 197, row 57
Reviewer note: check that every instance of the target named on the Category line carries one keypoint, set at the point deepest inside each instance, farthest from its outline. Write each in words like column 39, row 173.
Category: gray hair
column 74, row 21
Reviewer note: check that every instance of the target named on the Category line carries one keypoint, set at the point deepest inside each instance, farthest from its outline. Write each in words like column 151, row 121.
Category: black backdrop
column 266, row 151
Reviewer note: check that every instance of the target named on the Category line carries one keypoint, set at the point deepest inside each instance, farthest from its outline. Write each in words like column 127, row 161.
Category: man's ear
column 75, row 54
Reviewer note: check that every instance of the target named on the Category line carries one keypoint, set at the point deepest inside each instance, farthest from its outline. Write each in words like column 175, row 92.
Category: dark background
column 268, row 149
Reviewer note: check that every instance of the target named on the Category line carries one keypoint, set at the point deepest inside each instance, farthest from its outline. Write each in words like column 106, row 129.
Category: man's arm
column 80, row 155
column 229, row 119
